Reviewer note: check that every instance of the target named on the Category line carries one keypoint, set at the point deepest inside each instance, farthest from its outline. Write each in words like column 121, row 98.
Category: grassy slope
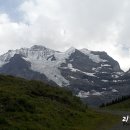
column 32, row 105
column 123, row 106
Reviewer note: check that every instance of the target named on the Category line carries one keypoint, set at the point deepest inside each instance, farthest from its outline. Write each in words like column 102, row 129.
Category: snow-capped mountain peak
column 35, row 52
column 129, row 71
column 38, row 47
column 55, row 65
column 71, row 50
column 93, row 57
column 86, row 51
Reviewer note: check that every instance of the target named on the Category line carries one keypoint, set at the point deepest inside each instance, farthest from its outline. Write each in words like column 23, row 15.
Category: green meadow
column 33, row 105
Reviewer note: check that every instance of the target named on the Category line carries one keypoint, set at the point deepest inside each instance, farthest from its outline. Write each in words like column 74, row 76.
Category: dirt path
column 118, row 126
column 121, row 127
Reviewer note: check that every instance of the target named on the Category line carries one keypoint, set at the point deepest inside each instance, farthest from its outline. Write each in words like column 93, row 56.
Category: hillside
column 123, row 106
column 32, row 105
column 122, row 109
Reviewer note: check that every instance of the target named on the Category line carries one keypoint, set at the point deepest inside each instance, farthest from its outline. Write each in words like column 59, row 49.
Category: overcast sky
column 101, row 25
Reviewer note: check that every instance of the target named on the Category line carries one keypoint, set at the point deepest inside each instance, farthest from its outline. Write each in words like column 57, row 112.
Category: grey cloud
column 58, row 24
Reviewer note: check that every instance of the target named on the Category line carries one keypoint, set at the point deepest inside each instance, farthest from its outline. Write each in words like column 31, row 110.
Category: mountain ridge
column 87, row 73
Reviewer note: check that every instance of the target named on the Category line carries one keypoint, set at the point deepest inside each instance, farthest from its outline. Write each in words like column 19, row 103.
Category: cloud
column 96, row 25
column 11, row 34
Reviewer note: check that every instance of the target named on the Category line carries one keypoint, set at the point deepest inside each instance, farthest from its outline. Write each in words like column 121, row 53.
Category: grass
column 122, row 106
column 33, row 105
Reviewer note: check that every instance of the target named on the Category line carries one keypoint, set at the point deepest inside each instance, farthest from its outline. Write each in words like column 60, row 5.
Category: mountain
column 89, row 74
column 34, row 105
column 126, row 77
column 19, row 67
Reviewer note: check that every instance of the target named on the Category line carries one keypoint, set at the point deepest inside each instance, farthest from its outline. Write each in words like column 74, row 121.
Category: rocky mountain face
column 94, row 76
column 125, row 77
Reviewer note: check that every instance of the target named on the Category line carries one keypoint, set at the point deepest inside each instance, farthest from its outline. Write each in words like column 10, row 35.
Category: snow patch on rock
column 84, row 94
column 105, row 65
column 94, row 58
column 72, row 77
column 104, row 80
column 114, row 91
column 70, row 66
